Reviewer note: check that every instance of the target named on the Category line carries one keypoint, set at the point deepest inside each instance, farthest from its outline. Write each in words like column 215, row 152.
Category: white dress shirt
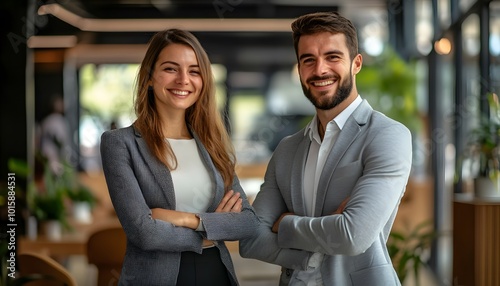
column 316, row 158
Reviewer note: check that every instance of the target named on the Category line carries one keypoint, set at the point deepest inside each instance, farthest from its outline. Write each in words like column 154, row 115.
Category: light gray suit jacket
column 138, row 182
column 369, row 163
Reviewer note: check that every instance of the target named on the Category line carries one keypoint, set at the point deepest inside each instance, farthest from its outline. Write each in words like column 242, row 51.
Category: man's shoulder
column 381, row 120
column 291, row 141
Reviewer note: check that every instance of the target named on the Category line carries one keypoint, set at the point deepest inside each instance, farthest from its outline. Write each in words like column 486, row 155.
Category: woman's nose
column 182, row 78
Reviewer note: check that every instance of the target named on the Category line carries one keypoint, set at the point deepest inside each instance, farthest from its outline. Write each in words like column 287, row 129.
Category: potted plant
column 485, row 152
column 47, row 203
column 83, row 202
column 45, row 197
column 410, row 249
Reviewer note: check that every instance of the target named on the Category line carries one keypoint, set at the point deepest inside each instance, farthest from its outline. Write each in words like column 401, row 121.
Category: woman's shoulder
column 123, row 133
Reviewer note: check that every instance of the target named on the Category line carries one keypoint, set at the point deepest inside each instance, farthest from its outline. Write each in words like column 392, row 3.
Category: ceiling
column 241, row 34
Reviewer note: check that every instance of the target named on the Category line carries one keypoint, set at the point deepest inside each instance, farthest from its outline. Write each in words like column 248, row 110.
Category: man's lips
column 322, row 83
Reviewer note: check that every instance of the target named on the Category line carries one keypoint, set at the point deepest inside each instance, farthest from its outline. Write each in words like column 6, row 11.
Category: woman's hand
column 231, row 202
column 207, row 243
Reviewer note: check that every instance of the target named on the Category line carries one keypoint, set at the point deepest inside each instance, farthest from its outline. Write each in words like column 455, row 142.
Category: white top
column 316, row 158
column 192, row 182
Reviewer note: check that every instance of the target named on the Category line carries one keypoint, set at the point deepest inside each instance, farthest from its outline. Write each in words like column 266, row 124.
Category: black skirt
column 204, row 269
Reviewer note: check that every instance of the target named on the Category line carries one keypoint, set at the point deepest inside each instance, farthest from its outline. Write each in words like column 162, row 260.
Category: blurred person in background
column 55, row 140
column 171, row 173
column 332, row 190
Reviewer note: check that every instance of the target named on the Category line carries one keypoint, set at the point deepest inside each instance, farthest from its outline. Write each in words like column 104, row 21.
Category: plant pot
column 32, row 228
column 52, row 229
column 82, row 212
column 485, row 187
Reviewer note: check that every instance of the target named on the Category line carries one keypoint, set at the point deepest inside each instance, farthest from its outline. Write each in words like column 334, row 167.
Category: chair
column 44, row 270
column 106, row 250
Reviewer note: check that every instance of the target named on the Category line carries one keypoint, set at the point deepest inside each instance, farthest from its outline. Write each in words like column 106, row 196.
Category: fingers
column 341, row 208
column 231, row 202
column 276, row 224
column 207, row 243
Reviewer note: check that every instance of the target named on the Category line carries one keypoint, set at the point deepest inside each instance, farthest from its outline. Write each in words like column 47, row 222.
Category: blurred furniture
column 476, row 241
column 106, row 250
column 73, row 242
column 51, row 272
column 417, row 205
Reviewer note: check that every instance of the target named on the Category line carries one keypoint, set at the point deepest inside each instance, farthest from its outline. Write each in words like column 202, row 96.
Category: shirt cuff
column 315, row 260
column 200, row 224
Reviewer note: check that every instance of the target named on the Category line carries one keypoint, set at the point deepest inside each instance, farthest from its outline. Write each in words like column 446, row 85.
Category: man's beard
column 323, row 102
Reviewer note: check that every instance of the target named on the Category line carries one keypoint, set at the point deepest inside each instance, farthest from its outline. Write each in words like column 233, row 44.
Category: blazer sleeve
column 131, row 207
column 231, row 225
column 386, row 165
column 263, row 244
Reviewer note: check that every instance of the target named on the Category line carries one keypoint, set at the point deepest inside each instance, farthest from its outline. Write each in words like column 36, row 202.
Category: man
column 55, row 139
column 332, row 190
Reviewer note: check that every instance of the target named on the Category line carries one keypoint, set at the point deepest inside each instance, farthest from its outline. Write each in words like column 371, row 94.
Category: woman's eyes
column 171, row 69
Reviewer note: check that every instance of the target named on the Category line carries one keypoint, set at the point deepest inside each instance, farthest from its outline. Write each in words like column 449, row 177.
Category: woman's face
column 176, row 79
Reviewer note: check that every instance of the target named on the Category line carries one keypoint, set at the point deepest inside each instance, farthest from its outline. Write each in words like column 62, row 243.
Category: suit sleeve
column 263, row 244
column 231, row 225
column 131, row 208
column 386, row 164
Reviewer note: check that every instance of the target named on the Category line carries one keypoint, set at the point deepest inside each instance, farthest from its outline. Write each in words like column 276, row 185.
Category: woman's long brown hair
column 203, row 117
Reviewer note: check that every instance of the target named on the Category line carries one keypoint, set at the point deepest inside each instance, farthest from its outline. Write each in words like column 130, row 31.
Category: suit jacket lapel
column 350, row 131
column 297, row 180
column 159, row 171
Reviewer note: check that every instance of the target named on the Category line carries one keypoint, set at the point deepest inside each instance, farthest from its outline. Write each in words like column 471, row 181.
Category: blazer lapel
column 351, row 130
column 159, row 171
column 297, row 180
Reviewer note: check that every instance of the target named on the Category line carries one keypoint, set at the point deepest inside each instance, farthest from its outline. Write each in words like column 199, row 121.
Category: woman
column 171, row 174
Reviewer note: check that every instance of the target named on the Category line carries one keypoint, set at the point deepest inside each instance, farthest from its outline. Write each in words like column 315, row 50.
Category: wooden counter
column 476, row 241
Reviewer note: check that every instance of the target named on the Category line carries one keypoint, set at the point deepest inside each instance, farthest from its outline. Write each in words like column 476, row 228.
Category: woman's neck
column 175, row 128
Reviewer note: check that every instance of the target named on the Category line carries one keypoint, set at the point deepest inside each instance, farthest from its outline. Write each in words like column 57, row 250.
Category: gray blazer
column 369, row 163
column 138, row 182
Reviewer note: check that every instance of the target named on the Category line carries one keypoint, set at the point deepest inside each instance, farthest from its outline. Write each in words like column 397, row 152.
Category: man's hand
column 231, row 202
column 276, row 224
column 341, row 207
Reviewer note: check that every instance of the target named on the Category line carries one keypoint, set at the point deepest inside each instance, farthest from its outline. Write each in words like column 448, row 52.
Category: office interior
column 431, row 64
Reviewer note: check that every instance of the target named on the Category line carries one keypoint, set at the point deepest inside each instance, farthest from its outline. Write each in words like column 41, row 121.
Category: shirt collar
column 340, row 120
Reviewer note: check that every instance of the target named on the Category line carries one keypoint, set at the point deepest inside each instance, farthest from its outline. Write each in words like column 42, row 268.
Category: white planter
column 82, row 212
column 32, row 228
column 486, row 188
column 52, row 230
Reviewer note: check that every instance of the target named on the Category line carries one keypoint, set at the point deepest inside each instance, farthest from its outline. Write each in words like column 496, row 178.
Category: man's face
column 325, row 69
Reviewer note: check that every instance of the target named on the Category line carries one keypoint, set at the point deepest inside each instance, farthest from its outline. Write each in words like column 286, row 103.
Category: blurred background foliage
column 389, row 83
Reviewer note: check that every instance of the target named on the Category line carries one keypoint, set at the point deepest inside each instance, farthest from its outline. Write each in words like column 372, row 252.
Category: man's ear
column 357, row 63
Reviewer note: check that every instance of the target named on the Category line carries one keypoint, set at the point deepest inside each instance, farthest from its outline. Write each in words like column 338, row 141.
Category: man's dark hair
column 331, row 22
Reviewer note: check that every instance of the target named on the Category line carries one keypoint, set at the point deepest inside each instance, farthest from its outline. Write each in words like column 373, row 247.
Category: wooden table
column 476, row 241
column 71, row 243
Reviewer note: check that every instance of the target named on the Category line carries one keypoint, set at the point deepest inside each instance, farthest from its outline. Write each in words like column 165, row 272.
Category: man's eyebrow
column 333, row 52
column 305, row 56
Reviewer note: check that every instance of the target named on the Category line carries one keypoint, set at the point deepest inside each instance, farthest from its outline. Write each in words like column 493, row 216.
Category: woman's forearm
column 177, row 218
